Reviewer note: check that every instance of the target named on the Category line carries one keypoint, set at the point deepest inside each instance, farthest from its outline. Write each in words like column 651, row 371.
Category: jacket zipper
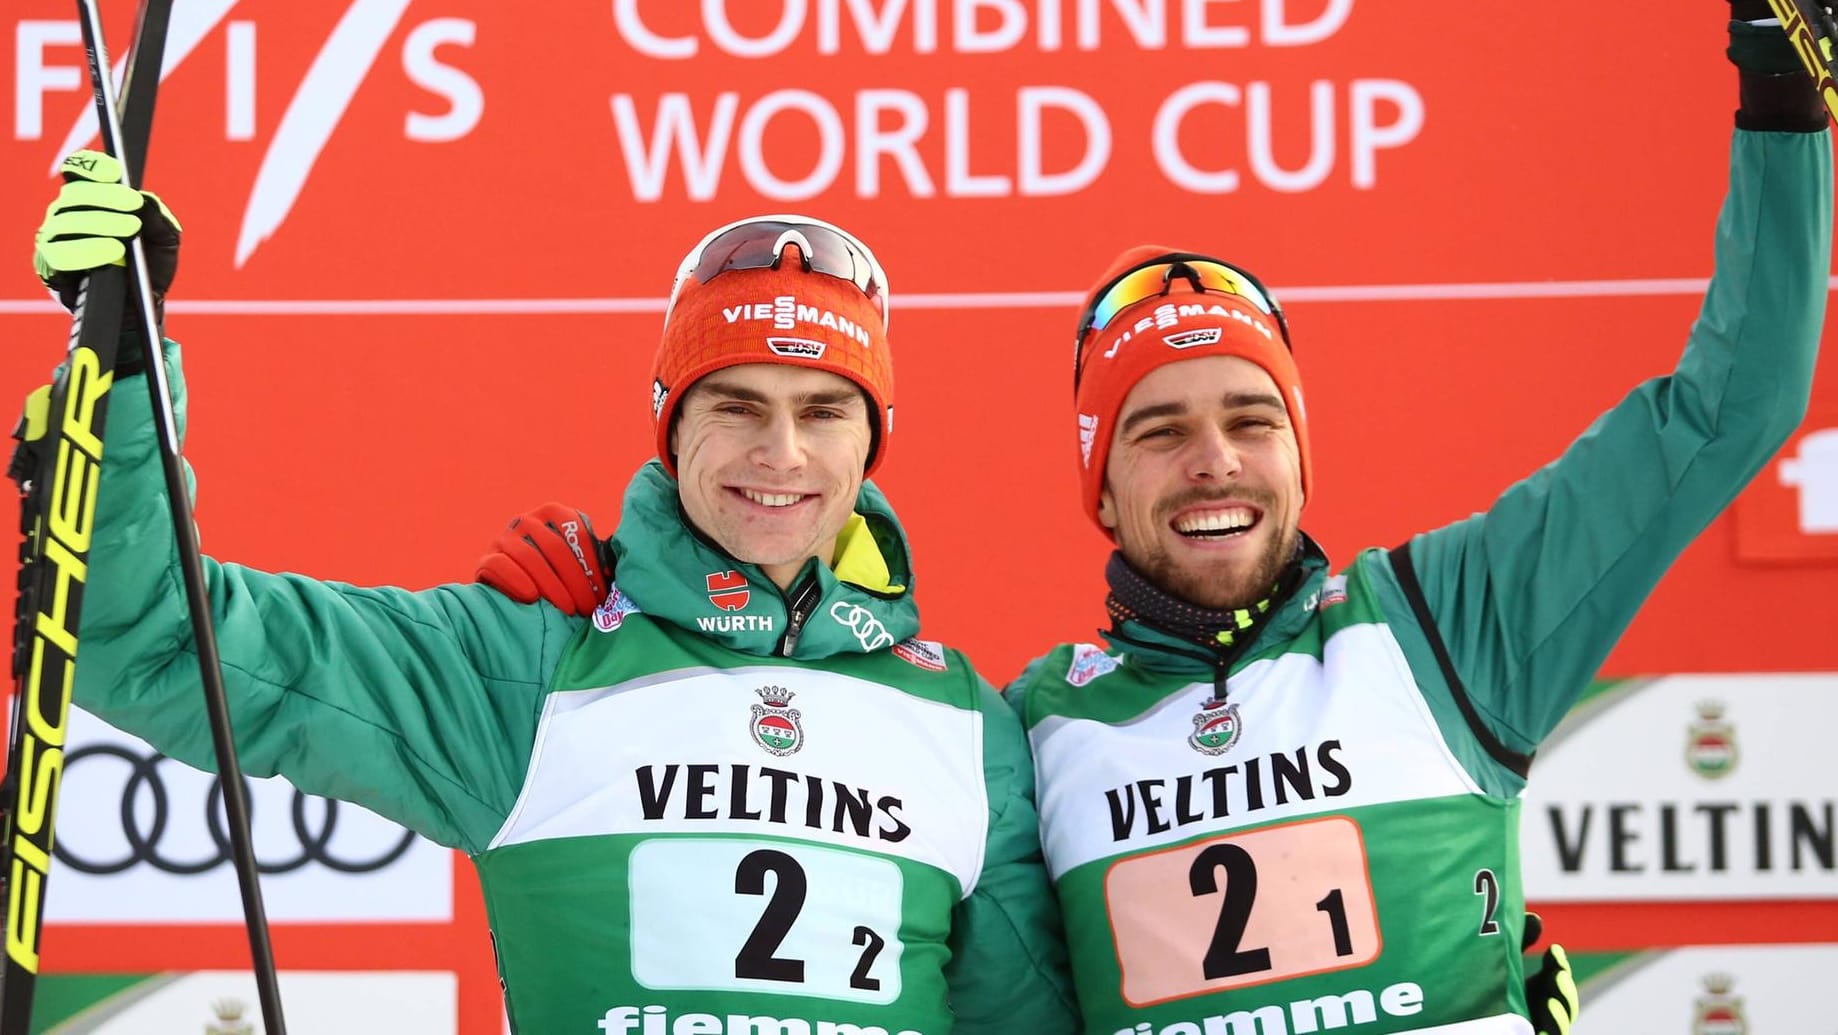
column 798, row 610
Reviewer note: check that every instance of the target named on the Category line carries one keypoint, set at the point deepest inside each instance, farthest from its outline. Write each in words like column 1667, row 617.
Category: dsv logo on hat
column 796, row 348
column 1189, row 339
column 141, row 838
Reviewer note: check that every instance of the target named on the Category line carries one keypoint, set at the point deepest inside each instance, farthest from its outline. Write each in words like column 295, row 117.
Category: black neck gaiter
column 1223, row 633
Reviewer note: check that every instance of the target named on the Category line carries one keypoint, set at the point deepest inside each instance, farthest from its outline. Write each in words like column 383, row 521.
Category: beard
column 1217, row 587
column 1219, row 591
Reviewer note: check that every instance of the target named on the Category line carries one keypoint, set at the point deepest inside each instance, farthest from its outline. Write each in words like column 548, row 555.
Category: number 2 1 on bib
column 1244, row 909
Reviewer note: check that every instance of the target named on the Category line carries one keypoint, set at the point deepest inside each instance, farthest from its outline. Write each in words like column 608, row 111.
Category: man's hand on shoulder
column 549, row 553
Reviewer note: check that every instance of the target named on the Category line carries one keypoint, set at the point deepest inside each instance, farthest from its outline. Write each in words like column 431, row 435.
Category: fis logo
column 352, row 48
column 659, row 395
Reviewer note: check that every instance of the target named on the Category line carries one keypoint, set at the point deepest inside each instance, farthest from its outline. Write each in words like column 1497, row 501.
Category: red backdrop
column 1457, row 283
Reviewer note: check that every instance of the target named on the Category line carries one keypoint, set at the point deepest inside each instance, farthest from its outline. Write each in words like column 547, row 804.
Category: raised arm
column 1530, row 597
column 421, row 706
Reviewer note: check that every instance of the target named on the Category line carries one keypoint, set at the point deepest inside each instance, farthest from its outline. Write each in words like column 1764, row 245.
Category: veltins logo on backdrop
column 1734, row 803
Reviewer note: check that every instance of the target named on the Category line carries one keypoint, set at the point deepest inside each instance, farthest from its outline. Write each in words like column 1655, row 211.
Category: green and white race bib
column 1306, row 855
column 764, row 848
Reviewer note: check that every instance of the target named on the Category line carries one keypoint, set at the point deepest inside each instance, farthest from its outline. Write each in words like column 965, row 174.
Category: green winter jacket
column 702, row 804
column 1325, row 834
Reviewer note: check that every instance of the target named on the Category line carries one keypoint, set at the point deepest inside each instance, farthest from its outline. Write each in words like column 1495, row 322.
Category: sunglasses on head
column 760, row 243
column 1157, row 278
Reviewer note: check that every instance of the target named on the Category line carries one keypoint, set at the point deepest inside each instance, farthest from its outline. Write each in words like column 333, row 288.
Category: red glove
column 548, row 554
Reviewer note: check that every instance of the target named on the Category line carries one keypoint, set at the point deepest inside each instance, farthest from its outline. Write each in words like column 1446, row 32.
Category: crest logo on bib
column 775, row 723
column 1217, row 728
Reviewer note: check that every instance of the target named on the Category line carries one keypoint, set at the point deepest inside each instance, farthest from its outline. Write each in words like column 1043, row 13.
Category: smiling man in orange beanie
column 1154, row 316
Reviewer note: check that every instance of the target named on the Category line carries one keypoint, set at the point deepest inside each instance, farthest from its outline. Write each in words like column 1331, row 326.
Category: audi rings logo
column 148, row 806
column 859, row 620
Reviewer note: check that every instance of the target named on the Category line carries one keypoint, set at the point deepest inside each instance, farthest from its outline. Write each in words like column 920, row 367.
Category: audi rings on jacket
column 144, row 843
column 862, row 622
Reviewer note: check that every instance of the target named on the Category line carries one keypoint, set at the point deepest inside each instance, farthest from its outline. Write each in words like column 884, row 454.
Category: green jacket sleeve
column 418, row 705
column 1530, row 596
column 1008, row 970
